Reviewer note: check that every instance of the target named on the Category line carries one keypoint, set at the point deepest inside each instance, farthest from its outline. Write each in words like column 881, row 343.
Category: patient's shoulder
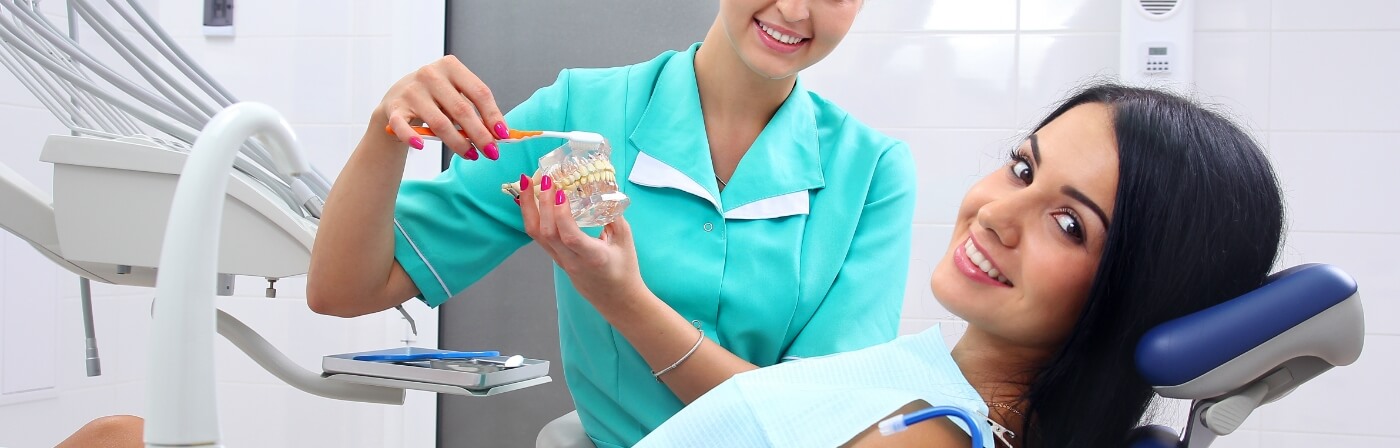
column 937, row 433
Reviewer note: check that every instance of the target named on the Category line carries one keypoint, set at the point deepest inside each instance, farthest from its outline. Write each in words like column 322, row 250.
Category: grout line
column 1342, row 232
column 955, row 33
column 1322, row 131
column 1342, row 30
column 1347, row 434
column 1016, row 68
column 932, row 128
column 1269, row 86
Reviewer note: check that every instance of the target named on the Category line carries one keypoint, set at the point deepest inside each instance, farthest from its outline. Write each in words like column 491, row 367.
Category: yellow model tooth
column 589, row 173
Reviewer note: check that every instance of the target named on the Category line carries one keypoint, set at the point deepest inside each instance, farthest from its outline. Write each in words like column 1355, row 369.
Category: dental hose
column 901, row 422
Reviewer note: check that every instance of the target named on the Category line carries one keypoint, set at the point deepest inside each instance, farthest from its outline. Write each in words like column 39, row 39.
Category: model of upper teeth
column 583, row 170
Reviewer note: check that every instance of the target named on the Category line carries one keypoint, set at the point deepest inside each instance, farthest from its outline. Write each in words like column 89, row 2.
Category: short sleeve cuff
column 432, row 287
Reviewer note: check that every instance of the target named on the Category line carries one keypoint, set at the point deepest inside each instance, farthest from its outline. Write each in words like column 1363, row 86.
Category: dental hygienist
column 768, row 223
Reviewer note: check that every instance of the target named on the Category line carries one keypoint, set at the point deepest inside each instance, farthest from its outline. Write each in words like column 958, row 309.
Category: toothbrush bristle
column 582, row 146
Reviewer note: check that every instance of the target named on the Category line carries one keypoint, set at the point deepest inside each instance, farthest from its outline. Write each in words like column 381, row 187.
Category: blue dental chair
column 1228, row 359
column 1234, row 357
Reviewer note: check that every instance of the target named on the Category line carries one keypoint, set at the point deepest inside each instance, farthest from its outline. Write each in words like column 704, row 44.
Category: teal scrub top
column 803, row 254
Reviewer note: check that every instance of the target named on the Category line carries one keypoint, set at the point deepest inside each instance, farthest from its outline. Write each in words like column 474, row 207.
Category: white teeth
column 780, row 37
column 982, row 262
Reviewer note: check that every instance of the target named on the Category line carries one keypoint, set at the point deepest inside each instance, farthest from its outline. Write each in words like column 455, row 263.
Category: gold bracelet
column 698, row 341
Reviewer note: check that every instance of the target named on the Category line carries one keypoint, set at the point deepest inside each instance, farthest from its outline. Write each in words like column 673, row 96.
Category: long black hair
column 1197, row 221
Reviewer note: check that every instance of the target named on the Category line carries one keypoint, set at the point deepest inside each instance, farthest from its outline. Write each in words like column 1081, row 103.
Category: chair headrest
column 1307, row 311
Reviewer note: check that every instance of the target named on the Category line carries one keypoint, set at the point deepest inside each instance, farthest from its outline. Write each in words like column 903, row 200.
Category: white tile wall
column 1317, row 75
column 1050, row 65
column 1233, row 15
column 1069, row 15
column 324, row 64
column 938, row 15
column 964, row 92
column 1232, row 71
column 1294, row 15
column 959, row 80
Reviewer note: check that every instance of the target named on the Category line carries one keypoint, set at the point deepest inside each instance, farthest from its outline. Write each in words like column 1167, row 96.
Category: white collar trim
column 650, row 172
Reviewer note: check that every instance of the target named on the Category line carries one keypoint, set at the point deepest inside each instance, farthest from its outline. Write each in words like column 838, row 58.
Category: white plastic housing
column 27, row 212
column 1157, row 43
column 111, row 200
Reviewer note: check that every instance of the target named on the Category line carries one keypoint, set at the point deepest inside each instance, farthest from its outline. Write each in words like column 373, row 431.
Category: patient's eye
column 1021, row 168
column 1070, row 225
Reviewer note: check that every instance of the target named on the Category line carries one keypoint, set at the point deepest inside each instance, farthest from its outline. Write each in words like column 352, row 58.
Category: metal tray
column 477, row 377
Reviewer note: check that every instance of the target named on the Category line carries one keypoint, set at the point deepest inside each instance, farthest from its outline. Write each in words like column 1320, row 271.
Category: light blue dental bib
column 823, row 401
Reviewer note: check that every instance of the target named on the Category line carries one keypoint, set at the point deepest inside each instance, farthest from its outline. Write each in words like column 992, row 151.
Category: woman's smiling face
column 1027, row 239
column 778, row 38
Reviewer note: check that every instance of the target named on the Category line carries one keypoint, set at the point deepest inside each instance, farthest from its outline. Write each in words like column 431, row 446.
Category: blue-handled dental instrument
column 426, row 356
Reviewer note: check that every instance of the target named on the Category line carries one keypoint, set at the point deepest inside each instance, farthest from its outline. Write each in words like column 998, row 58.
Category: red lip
column 970, row 269
column 774, row 44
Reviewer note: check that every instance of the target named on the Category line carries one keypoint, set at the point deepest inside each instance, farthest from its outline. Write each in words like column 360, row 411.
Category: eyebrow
column 1081, row 197
column 1035, row 148
column 1068, row 190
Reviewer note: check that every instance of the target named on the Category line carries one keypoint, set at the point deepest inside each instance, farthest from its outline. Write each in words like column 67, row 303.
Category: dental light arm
column 181, row 403
column 181, row 385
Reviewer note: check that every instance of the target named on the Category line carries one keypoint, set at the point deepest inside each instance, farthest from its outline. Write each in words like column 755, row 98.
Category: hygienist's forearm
column 353, row 256
column 662, row 336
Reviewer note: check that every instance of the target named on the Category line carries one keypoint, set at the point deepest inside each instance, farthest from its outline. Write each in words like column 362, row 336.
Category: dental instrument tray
column 442, row 371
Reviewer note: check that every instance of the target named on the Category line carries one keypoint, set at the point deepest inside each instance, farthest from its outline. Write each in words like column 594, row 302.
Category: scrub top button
column 709, row 227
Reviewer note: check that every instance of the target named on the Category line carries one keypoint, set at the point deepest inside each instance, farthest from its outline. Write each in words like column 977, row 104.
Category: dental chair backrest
column 1252, row 350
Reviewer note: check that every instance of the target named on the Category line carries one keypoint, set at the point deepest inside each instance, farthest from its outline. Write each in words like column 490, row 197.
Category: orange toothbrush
column 515, row 135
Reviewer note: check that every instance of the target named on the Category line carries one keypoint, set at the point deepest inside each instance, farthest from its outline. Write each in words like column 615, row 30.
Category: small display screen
column 1157, row 51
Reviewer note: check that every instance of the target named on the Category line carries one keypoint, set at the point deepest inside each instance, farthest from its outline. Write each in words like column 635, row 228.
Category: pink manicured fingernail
column 471, row 153
column 491, row 151
column 501, row 131
column 524, row 182
column 546, row 183
column 416, row 143
column 559, row 197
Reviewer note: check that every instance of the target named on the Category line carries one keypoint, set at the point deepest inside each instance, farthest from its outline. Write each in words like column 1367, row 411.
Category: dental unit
column 142, row 183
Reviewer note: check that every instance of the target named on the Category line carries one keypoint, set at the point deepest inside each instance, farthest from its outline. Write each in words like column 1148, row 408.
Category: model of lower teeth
column 583, row 170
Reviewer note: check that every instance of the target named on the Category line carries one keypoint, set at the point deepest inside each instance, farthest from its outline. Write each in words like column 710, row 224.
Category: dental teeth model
column 581, row 168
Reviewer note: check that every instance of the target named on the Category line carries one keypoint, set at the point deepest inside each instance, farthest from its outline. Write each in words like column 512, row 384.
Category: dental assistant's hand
column 604, row 269
column 444, row 95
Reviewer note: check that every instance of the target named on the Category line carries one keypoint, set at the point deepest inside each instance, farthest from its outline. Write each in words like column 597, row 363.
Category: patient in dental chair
column 1124, row 208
